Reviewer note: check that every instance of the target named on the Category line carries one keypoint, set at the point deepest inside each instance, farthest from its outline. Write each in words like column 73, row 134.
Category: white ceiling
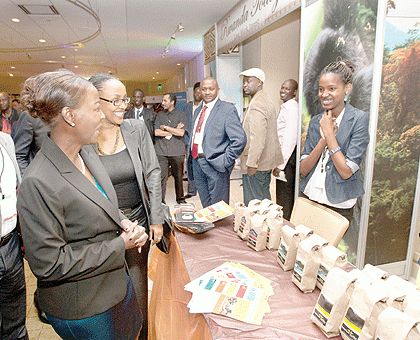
column 127, row 37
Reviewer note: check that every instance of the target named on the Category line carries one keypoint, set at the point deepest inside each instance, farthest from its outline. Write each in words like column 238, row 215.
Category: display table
column 192, row 256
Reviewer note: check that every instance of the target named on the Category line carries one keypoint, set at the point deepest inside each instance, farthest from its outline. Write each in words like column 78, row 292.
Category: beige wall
column 280, row 54
column 11, row 85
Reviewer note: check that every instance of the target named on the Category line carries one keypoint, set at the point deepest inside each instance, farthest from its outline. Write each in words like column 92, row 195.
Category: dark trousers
column 12, row 291
column 285, row 191
column 177, row 166
column 212, row 186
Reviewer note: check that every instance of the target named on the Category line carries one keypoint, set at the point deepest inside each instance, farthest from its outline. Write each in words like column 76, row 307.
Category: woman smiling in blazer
column 335, row 144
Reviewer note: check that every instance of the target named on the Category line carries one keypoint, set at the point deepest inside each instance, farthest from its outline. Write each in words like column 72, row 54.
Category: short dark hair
column 172, row 97
column 197, row 84
column 15, row 100
column 139, row 90
column 98, row 80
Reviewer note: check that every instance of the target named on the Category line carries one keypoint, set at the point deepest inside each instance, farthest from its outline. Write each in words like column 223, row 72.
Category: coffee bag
column 333, row 301
column 257, row 238
column 331, row 257
column 361, row 316
column 286, row 255
column 274, row 231
column 395, row 325
column 243, row 230
column 238, row 213
column 304, row 231
column 374, row 272
column 307, row 263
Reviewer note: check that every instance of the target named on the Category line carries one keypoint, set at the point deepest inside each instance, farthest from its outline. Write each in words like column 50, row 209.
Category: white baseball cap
column 253, row 72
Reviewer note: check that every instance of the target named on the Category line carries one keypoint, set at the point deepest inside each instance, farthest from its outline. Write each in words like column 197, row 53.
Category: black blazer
column 149, row 117
column 70, row 231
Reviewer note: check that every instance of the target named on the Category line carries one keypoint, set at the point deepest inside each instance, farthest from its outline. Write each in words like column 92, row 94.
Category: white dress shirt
column 287, row 129
column 315, row 189
column 198, row 136
column 8, row 193
column 139, row 112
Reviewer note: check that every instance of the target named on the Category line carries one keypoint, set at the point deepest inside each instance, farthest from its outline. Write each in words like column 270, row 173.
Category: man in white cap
column 262, row 152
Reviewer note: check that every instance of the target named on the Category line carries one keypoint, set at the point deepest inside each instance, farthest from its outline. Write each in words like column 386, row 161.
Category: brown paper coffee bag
column 395, row 325
column 304, row 231
column 360, row 276
column 361, row 316
column 374, row 272
column 238, row 213
column 274, row 231
column 307, row 263
column 395, row 296
column 243, row 230
column 333, row 301
column 331, row 257
column 286, row 255
column 257, row 238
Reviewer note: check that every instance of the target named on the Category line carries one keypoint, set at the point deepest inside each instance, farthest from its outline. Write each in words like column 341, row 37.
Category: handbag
column 168, row 227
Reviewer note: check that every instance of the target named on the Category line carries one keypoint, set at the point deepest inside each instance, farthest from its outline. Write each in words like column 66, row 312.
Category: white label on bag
column 352, row 324
column 282, row 253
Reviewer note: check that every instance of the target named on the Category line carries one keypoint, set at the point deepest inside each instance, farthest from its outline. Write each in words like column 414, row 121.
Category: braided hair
column 343, row 67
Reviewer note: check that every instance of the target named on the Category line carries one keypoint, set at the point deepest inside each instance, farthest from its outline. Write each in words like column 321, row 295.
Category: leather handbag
column 168, row 227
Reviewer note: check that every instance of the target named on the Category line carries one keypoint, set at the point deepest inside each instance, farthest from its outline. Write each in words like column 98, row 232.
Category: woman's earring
column 72, row 124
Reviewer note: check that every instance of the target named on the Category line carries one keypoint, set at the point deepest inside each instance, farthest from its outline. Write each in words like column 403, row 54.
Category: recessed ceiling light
column 76, row 66
column 15, row 20
column 157, row 72
column 12, row 67
column 76, row 49
column 42, row 40
column 11, row 74
column 63, row 56
column 178, row 64
column 153, row 78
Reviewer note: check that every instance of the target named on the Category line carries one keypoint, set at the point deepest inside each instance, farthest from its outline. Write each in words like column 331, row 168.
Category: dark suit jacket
column 149, row 117
column 143, row 155
column 70, row 231
column 223, row 137
column 353, row 139
column 30, row 133
column 190, row 114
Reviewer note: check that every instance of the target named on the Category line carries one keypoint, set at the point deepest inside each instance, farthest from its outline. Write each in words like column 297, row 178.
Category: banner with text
column 249, row 17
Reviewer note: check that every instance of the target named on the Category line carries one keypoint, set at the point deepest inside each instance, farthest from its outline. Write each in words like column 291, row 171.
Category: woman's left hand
column 155, row 233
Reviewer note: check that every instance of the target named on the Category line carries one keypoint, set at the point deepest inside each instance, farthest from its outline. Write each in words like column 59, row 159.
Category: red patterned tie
column 194, row 149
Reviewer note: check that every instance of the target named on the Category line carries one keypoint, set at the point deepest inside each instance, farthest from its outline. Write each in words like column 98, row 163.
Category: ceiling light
column 63, row 56
column 11, row 74
column 76, row 49
column 178, row 64
column 42, row 40
column 180, row 28
column 75, row 66
column 163, row 56
column 12, row 67
column 173, row 37
column 153, row 78
column 15, row 20
column 157, row 72
column 166, row 49
column 29, row 56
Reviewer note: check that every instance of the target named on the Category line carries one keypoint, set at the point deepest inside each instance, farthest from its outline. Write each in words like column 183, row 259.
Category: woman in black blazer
column 127, row 152
column 75, row 237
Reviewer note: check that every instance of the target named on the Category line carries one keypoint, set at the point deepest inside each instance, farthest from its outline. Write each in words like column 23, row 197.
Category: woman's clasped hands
column 133, row 234
column 327, row 124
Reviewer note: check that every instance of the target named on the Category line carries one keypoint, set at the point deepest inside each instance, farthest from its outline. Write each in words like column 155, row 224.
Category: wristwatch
column 164, row 128
column 333, row 151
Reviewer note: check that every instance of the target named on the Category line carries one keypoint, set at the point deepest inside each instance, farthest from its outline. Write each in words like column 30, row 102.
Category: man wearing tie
column 216, row 141
column 141, row 112
column 12, row 275
column 189, row 112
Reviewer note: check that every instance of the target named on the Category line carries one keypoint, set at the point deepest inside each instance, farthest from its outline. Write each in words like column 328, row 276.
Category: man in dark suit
column 141, row 112
column 216, row 141
column 189, row 112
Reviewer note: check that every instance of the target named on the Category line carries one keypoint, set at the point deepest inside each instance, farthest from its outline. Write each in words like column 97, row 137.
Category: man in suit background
column 216, row 141
column 262, row 152
column 8, row 116
column 143, row 113
column 12, row 275
column 189, row 112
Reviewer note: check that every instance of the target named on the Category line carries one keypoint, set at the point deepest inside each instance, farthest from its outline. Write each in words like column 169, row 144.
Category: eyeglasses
column 117, row 102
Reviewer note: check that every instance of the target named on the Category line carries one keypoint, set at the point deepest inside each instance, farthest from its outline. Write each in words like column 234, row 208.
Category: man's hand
column 251, row 171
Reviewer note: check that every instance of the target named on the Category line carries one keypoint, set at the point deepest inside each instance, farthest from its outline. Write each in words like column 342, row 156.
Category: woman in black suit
column 127, row 152
column 74, row 236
